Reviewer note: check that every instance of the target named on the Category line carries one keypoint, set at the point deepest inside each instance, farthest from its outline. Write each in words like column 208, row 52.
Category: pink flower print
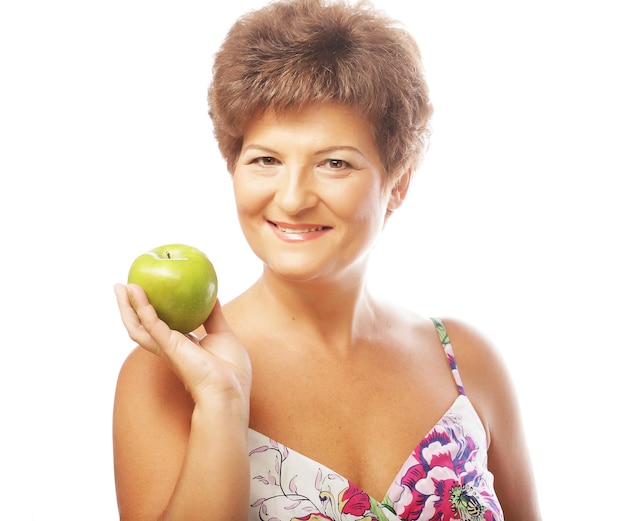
column 353, row 501
column 438, row 483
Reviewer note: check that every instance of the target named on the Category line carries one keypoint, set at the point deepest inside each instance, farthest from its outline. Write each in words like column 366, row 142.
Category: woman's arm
column 180, row 420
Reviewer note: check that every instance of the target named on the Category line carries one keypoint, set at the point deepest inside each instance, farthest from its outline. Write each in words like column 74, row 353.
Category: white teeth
column 299, row 230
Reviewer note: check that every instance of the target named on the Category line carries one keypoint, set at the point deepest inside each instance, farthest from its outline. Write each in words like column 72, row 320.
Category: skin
column 332, row 364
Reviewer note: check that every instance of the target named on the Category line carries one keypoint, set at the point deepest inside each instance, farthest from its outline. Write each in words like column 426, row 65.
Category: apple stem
column 168, row 254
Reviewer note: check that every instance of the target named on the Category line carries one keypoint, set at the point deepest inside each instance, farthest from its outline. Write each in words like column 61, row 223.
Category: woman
column 306, row 398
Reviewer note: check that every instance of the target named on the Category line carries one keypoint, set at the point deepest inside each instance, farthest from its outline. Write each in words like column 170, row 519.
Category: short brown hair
column 294, row 52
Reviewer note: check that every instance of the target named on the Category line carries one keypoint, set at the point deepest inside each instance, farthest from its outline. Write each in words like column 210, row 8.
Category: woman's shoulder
column 144, row 368
column 473, row 349
column 483, row 371
column 467, row 338
column 145, row 382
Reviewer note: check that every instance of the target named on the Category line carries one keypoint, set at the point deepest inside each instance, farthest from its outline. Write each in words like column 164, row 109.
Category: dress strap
column 447, row 347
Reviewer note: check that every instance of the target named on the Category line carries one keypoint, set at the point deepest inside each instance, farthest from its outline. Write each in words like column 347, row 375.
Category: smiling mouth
column 304, row 229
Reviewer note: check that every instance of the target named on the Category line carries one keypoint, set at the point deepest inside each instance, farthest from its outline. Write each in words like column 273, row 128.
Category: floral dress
column 444, row 478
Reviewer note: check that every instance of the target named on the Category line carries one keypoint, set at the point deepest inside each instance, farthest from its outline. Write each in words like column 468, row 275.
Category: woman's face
column 310, row 193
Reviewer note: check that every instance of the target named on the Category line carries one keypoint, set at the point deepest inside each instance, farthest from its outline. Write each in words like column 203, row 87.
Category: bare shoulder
column 145, row 377
column 469, row 341
column 482, row 368
column 148, row 391
column 151, row 418
column 481, row 360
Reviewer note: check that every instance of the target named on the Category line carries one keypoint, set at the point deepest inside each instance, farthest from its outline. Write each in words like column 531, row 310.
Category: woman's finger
column 130, row 318
column 159, row 332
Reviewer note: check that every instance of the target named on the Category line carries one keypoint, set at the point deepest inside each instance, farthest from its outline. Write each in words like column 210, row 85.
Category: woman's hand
column 215, row 366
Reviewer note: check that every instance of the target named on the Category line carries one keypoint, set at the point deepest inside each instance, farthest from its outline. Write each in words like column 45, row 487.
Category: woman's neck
column 337, row 314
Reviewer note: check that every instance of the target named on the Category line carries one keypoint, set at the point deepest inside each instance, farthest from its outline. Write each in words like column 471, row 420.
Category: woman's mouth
column 298, row 232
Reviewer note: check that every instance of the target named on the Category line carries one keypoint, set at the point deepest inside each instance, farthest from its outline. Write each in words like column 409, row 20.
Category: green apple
column 180, row 283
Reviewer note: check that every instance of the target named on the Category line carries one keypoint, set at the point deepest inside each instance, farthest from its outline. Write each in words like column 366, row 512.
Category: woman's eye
column 266, row 161
column 337, row 164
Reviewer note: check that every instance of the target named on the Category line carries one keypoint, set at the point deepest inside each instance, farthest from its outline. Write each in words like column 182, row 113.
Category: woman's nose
column 296, row 191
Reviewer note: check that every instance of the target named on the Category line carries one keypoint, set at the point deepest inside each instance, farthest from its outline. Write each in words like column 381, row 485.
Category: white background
column 515, row 223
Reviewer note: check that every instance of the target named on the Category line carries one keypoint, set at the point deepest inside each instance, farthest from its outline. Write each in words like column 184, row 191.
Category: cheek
column 247, row 198
column 361, row 203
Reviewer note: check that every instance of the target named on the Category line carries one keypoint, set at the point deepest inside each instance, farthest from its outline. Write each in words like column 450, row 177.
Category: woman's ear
column 399, row 191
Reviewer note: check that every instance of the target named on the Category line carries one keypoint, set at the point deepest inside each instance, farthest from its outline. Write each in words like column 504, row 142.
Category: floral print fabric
column 444, row 478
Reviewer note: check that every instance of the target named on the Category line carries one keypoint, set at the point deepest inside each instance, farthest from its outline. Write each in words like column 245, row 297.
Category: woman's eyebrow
column 254, row 146
column 337, row 148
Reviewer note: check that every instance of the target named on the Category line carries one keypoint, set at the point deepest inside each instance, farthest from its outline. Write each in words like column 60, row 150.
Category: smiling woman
column 512, row 222
column 307, row 396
